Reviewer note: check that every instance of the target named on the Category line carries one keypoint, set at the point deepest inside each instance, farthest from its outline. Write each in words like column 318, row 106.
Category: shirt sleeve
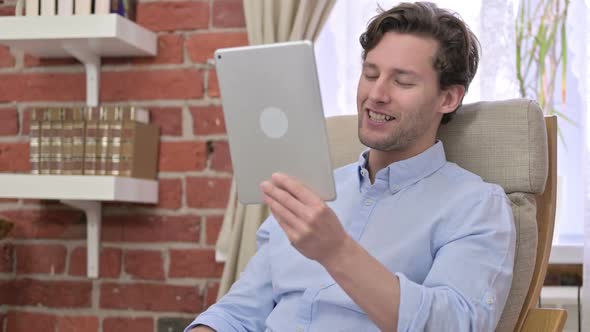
column 468, row 284
column 249, row 301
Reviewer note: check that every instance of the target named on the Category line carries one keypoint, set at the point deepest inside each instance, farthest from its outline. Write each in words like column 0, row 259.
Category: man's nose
column 379, row 92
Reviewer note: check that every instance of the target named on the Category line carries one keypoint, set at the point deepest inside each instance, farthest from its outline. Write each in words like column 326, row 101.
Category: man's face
column 398, row 96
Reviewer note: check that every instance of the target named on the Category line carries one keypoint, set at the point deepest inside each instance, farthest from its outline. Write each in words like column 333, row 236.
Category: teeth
column 379, row 117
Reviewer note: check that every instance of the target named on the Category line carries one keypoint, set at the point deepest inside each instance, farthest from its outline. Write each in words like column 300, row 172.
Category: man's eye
column 371, row 77
column 404, row 84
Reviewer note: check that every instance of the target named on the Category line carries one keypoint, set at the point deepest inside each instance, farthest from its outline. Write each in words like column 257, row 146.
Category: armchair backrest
column 504, row 142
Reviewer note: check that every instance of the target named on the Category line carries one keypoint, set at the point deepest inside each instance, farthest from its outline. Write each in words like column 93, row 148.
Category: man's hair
column 458, row 48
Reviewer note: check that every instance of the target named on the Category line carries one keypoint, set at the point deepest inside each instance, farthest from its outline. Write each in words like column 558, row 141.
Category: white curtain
column 267, row 21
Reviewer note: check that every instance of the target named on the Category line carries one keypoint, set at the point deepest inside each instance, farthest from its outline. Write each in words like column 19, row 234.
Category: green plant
column 541, row 50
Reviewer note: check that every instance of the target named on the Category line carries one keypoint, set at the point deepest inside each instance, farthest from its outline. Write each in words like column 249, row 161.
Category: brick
column 26, row 122
column 6, row 57
column 194, row 263
column 170, row 51
column 33, row 61
column 228, row 14
column 46, row 224
column 169, row 119
column 151, row 228
column 213, row 229
column 182, row 156
column 52, row 294
column 220, row 157
column 151, row 297
column 207, row 192
column 110, row 262
column 173, row 16
column 170, row 193
column 213, row 85
column 8, row 121
column 6, row 258
column 43, row 87
column 77, row 324
column 151, row 84
column 40, row 258
column 201, row 46
column 118, row 324
column 14, row 157
column 166, row 324
column 208, row 120
column 7, row 11
column 211, row 297
column 144, row 264
column 28, row 321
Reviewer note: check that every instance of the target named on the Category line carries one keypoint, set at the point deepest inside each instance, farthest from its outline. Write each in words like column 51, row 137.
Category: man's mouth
column 379, row 117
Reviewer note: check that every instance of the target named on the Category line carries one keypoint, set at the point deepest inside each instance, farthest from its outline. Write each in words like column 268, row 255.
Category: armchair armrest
column 544, row 320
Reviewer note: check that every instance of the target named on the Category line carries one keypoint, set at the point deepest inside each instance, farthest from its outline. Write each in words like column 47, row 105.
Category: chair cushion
column 504, row 142
column 524, row 210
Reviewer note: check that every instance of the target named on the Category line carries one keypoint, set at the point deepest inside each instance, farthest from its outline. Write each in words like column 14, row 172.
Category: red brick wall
column 157, row 265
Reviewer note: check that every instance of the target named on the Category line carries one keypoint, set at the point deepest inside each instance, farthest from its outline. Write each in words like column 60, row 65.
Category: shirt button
column 490, row 300
column 364, row 172
column 299, row 329
column 368, row 202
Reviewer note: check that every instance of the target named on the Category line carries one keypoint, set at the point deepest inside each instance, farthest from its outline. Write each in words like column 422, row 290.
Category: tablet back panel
column 274, row 117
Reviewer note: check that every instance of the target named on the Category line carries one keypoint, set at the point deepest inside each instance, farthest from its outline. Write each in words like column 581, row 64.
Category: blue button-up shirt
column 445, row 233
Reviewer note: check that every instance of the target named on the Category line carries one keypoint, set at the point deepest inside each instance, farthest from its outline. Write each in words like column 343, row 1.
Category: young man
column 413, row 242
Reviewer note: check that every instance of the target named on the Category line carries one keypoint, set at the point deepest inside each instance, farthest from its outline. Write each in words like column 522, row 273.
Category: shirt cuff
column 213, row 321
column 410, row 303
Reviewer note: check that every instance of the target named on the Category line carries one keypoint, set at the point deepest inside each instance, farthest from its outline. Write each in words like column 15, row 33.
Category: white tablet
column 274, row 117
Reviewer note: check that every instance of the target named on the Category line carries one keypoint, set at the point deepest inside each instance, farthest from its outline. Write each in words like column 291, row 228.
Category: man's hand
column 311, row 226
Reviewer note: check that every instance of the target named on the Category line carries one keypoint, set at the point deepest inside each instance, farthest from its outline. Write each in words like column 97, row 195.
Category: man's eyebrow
column 397, row 71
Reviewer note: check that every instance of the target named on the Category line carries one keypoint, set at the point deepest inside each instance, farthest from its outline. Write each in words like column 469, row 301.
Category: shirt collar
column 408, row 171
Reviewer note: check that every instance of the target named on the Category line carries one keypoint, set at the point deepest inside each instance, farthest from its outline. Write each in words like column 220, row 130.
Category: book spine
column 78, row 130
column 82, row 7
column 32, row 8
column 114, row 153
column 102, row 6
column 102, row 146
column 67, row 141
column 65, row 7
column 91, row 140
column 35, row 140
column 56, row 143
column 48, row 8
column 45, row 145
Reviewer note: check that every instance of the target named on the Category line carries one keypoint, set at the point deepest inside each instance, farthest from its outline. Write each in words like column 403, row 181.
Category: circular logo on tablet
column 273, row 122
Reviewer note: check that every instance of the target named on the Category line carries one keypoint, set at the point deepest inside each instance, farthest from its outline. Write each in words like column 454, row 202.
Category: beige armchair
column 509, row 143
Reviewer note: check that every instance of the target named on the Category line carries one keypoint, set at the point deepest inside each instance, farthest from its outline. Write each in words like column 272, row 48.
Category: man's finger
column 287, row 220
column 285, row 198
column 296, row 188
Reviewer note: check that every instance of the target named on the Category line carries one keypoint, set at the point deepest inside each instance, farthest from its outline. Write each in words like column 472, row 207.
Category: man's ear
column 451, row 98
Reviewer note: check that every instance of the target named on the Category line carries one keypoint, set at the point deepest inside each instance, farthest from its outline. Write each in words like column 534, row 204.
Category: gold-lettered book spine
column 91, row 140
column 67, row 141
column 45, row 142
column 78, row 139
column 56, row 142
column 36, row 117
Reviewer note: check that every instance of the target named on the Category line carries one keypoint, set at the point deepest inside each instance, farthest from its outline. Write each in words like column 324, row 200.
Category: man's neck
column 379, row 160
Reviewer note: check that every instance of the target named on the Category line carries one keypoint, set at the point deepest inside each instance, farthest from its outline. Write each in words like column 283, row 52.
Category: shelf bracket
column 91, row 63
column 93, row 211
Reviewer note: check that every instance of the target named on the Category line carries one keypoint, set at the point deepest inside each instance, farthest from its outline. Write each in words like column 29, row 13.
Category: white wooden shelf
column 85, row 37
column 567, row 254
column 82, row 192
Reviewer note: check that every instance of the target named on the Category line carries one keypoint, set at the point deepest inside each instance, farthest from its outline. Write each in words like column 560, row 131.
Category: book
column 32, row 7
column 67, row 141
column 45, row 142
column 35, row 140
column 139, row 149
column 91, row 140
column 48, row 8
column 78, row 139
column 56, row 141
column 82, row 7
column 102, row 6
column 65, row 7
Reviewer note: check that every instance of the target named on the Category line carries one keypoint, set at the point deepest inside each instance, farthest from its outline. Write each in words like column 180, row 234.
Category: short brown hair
column 458, row 52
